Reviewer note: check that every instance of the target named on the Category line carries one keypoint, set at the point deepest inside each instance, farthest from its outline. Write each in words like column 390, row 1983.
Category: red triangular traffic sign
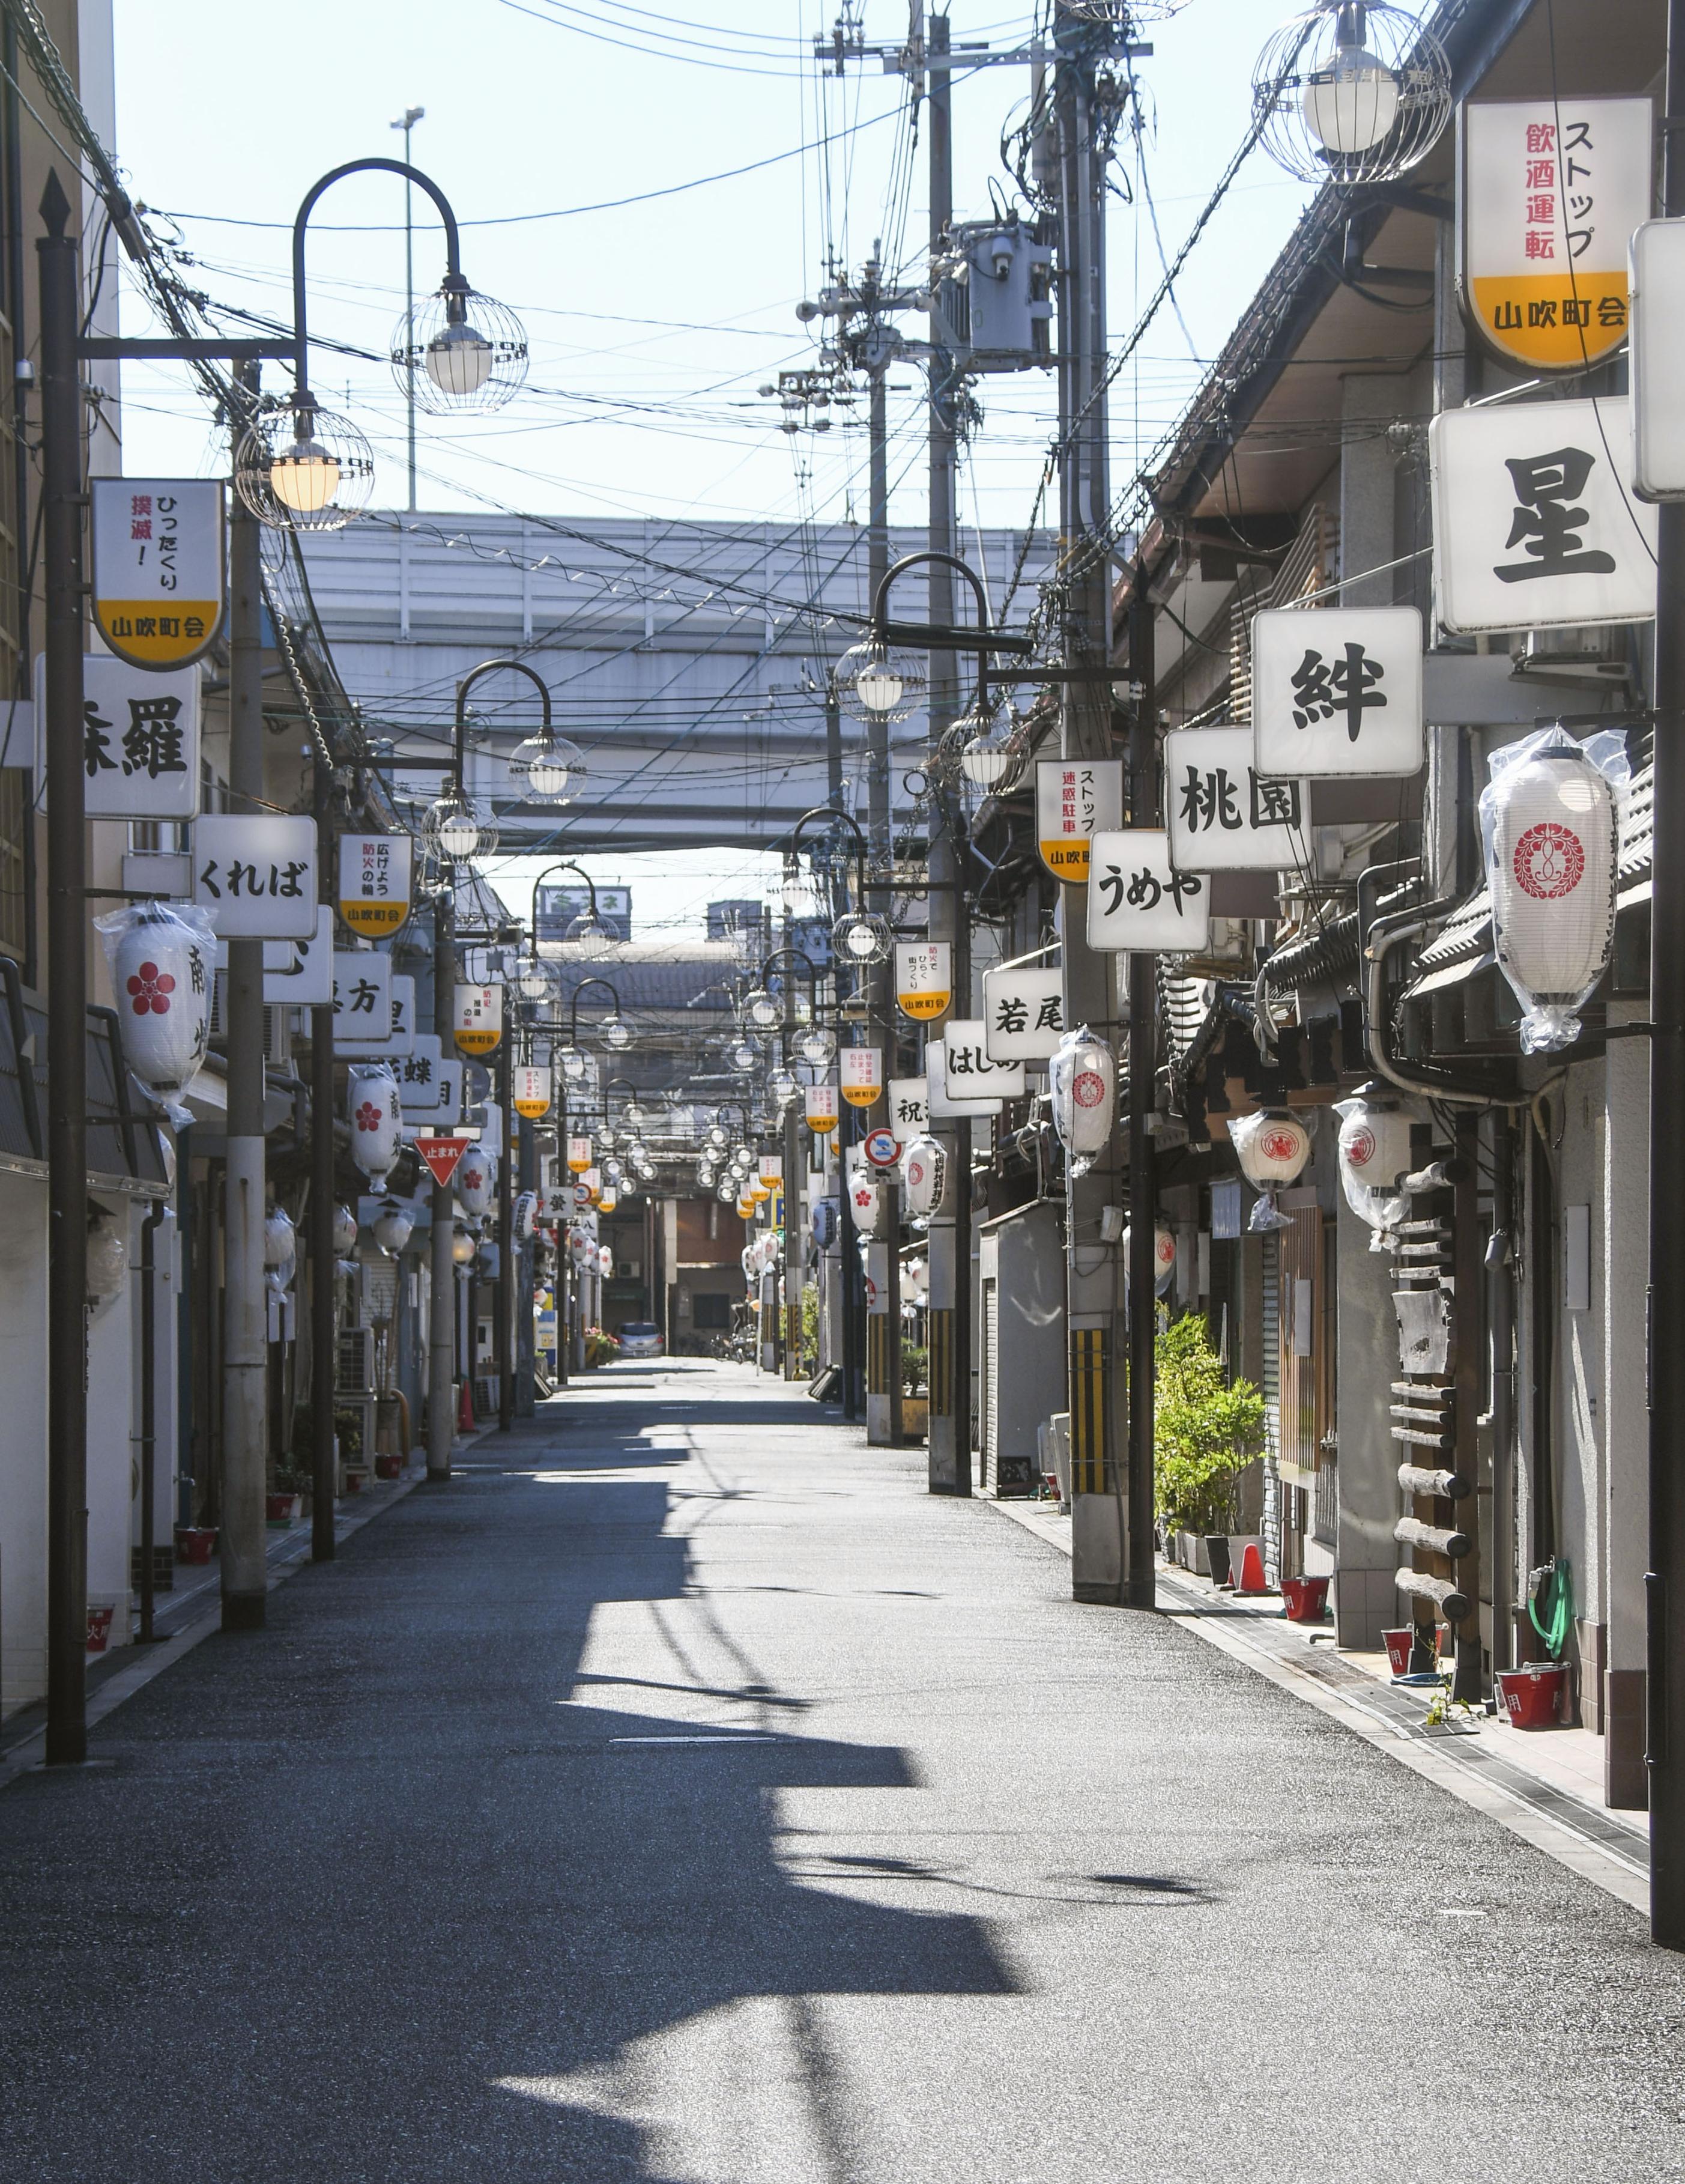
column 442, row 1155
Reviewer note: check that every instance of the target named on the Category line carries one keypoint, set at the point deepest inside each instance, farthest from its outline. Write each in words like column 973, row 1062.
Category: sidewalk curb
column 1435, row 1762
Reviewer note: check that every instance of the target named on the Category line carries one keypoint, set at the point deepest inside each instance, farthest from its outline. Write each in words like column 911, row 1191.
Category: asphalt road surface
column 681, row 1794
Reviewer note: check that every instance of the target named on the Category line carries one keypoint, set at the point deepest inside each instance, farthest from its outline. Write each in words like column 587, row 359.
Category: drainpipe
column 149, row 1226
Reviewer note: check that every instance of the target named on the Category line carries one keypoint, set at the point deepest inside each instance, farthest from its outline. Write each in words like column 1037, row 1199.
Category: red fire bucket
column 388, row 1467
column 1307, row 1598
column 99, row 1626
column 1532, row 1696
column 195, row 1543
column 1399, row 1645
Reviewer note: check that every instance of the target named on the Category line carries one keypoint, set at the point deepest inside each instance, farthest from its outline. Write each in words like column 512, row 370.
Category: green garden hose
column 1550, row 1604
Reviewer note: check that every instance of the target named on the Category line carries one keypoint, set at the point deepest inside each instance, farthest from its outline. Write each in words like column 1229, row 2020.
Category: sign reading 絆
column 157, row 567
column 1076, row 799
column 1338, row 692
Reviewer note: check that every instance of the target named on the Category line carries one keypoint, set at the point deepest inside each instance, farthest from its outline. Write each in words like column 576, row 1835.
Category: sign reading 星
column 1225, row 815
column 1139, row 903
column 1336, row 690
column 157, row 567
column 1076, row 799
column 1023, row 1012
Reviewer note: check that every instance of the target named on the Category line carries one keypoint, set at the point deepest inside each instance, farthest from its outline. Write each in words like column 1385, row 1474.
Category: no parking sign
column 882, row 1148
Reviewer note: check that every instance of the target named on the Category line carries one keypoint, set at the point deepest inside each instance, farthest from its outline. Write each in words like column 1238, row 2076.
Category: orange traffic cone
column 464, row 1413
column 1251, row 1578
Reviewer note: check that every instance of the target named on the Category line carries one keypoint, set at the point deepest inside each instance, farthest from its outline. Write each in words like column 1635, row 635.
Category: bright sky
column 652, row 325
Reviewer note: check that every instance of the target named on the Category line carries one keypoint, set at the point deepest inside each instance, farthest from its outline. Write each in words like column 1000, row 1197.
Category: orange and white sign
column 531, row 1091
column 1551, row 193
column 924, row 978
column 772, row 1168
column 479, row 1018
column 157, row 567
column 860, row 1072
column 820, row 1108
column 374, row 882
column 579, row 1155
column 1076, row 799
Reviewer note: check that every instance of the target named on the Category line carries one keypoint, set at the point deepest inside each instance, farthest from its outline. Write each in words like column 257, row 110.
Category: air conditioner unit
column 355, row 1371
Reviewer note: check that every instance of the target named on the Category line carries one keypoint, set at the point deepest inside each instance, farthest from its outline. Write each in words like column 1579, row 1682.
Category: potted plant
column 286, row 1490
column 601, row 1348
column 914, row 1402
column 1207, row 1432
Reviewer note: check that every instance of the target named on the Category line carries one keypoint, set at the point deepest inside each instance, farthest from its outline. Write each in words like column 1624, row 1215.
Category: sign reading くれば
column 374, row 882
column 924, row 978
column 157, row 567
column 1551, row 193
column 1076, row 799
column 257, row 875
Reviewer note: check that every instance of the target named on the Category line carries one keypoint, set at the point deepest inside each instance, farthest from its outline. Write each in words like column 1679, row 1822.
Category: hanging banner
column 1023, row 1012
column 820, row 1108
column 1338, row 691
column 908, row 1106
column 1551, row 190
column 478, row 1019
column 924, row 978
column 1658, row 367
column 970, row 1072
column 1076, row 799
column 442, row 1155
column 259, row 875
column 374, row 882
column 861, row 1073
column 1224, row 816
column 140, row 740
column 157, row 567
column 1533, row 526
column 770, row 1167
column 362, row 995
column 1138, row 902
column 531, row 1091
column 401, row 1040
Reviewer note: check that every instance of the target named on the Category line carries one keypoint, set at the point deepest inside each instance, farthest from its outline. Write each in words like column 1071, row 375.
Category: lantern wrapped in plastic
column 280, row 1240
column 160, row 956
column 1374, row 1152
column 527, row 1216
column 865, row 1204
column 344, row 1232
column 605, row 1261
column 392, row 1226
column 475, row 1179
column 1082, row 1078
column 1164, row 1256
column 1272, row 1149
column 924, row 1172
column 371, row 1100
column 1549, row 831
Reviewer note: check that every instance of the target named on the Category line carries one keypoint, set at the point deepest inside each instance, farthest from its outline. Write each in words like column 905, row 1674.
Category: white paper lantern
column 924, row 1171
column 371, row 1100
column 1374, row 1152
column 605, row 1261
column 865, row 1205
column 392, row 1226
column 475, row 1179
column 526, row 1216
column 1164, row 1256
column 160, row 956
column 579, row 1246
column 1272, row 1149
column 344, row 1231
column 1550, row 832
column 281, row 1239
column 1082, row 1078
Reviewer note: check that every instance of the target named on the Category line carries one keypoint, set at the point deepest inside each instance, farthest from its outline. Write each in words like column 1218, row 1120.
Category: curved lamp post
column 793, row 1158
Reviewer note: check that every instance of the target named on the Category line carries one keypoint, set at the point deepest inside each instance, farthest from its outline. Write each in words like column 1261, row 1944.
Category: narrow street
column 682, row 1793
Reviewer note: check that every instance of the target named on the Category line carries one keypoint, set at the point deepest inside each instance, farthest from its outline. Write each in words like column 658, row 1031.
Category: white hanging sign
column 971, row 1071
column 140, row 739
column 1226, row 817
column 402, row 1016
column 860, row 1074
column 1023, row 1012
column 1338, row 691
column 429, row 1082
column 1139, row 903
column 909, row 1105
column 374, row 882
column 941, row 1106
column 1657, row 362
column 362, row 995
column 1076, row 799
column 479, row 1017
column 257, row 875
column 158, row 565
column 297, row 973
column 924, row 978
column 1551, row 190
column 1533, row 525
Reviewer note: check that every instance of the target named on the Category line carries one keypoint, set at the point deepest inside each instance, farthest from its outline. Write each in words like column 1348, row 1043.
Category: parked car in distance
column 640, row 1337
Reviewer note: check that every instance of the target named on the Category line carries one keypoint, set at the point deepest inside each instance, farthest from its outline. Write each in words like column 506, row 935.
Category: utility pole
column 502, row 1310
column 1665, row 1582
column 1140, row 1572
column 67, row 1287
column 245, row 1312
column 442, row 1310
column 407, row 121
column 324, row 1323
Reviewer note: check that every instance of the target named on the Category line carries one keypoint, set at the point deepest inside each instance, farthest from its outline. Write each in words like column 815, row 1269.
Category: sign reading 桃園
column 1551, row 193
column 1140, row 903
column 374, row 882
column 924, row 978
column 1023, row 1012
column 258, row 874
column 1076, row 799
column 1338, row 691
column 140, row 739
column 1533, row 525
column 1226, row 817
column 157, row 567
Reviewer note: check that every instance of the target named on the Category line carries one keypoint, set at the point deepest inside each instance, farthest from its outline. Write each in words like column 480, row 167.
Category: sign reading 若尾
column 924, row 978
column 403, row 1019
column 1533, row 524
column 374, row 882
column 1023, row 1012
column 1225, row 815
column 158, row 565
column 1338, row 691
column 257, row 874
column 1138, row 901
column 362, row 995
column 1076, row 799
column 140, row 739
column 1551, row 190
column 908, row 1106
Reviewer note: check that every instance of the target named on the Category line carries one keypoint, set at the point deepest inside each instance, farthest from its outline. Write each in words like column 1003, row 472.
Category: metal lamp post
column 792, row 1158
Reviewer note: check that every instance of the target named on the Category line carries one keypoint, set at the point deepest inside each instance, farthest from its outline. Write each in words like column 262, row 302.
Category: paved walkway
column 682, row 1795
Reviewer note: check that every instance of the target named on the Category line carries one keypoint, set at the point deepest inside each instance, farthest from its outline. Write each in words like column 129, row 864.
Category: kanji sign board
column 1226, row 817
column 1139, row 902
column 362, row 995
column 401, row 1038
column 297, row 973
column 909, row 1105
column 429, row 1085
column 1551, row 190
column 257, row 875
column 969, row 1072
column 158, row 565
column 1338, row 691
column 1534, row 525
column 1658, row 362
column 975, row 1101
column 140, row 739
column 1076, row 799
column 1023, row 1012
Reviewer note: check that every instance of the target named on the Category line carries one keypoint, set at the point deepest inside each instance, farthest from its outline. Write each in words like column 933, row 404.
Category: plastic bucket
column 195, row 1543
column 1399, row 1645
column 1532, row 1696
column 100, row 1612
column 1307, row 1598
column 388, row 1467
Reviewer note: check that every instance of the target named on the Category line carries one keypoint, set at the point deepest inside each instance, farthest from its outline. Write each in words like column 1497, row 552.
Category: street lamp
column 1352, row 91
